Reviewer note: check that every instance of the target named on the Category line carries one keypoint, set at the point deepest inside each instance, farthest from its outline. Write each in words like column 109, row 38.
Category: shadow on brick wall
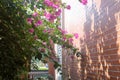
column 101, row 41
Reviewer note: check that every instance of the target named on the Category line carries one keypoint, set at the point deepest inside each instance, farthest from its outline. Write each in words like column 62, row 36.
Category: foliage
column 15, row 43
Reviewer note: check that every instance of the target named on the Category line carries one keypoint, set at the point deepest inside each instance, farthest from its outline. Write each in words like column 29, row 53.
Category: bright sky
column 77, row 10
column 75, row 16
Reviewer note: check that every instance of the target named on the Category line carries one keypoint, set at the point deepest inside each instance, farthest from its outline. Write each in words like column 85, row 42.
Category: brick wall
column 100, row 43
column 51, row 70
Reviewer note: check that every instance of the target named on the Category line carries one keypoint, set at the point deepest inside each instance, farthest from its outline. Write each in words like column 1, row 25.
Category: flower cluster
column 44, row 26
column 50, row 3
column 84, row 2
column 44, row 18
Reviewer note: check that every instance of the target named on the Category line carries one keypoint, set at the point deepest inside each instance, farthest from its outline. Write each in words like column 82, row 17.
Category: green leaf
column 38, row 56
column 56, row 65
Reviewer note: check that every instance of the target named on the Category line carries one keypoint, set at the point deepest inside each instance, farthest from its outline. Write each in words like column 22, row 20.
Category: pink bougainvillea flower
column 58, row 12
column 64, row 38
column 45, row 31
column 49, row 16
column 76, row 35
column 84, row 2
column 35, row 7
column 29, row 20
column 38, row 23
column 70, row 40
column 64, row 32
column 59, row 29
column 68, row 7
column 44, row 43
column 52, row 18
column 35, row 14
column 48, row 31
column 48, row 2
column 31, row 30
column 55, row 6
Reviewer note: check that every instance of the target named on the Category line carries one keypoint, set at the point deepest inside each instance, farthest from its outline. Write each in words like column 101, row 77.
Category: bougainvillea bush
column 30, row 28
column 45, row 28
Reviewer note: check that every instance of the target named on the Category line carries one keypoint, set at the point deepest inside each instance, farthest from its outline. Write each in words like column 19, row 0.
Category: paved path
column 37, row 74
